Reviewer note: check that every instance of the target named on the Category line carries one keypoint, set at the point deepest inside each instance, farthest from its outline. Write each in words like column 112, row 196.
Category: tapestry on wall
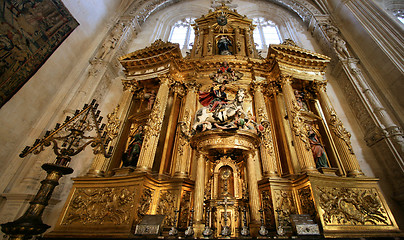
column 30, row 31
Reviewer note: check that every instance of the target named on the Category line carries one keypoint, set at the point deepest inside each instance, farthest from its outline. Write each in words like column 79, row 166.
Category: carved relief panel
column 101, row 206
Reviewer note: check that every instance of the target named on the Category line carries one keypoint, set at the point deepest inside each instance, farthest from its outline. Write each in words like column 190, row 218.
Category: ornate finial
column 289, row 42
column 222, row 3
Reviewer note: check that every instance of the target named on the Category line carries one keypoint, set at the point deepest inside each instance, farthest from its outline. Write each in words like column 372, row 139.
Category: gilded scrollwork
column 339, row 130
column 351, row 206
column 298, row 126
column 185, row 209
column 100, row 206
column 306, row 201
column 113, row 123
column 166, row 206
column 154, row 123
column 145, row 202
column 285, row 206
column 268, row 208
column 183, row 132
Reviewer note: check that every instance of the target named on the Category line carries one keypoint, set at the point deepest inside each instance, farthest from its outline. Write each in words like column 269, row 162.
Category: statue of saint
column 131, row 155
column 216, row 97
column 318, row 150
column 223, row 45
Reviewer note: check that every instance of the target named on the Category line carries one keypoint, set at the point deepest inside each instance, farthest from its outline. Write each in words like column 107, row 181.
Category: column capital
column 286, row 79
column 258, row 86
column 192, row 86
column 320, row 86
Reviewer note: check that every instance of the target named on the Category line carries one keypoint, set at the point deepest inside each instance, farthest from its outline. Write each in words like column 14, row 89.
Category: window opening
column 183, row 33
column 265, row 33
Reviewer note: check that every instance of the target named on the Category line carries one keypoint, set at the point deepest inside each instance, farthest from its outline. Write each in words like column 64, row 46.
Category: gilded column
column 199, row 188
column 269, row 166
column 300, row 138
column 253, row 188
column 340, row 135
column 184, row 150
column 153, row 127
column 100, row 163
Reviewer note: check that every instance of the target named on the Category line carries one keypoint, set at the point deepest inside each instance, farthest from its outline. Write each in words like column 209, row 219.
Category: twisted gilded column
column 184, row 150
column 254, row 197
column 300, row 138
column 268, row 158
column 153, row 127
column 199, row 188
column 339, row 134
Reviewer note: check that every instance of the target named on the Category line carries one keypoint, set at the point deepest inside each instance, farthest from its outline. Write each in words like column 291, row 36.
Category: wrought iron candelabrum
column 68, row 139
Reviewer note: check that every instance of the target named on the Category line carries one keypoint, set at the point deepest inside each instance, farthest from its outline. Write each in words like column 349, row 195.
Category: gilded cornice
column 297, row 57
column 158, row 54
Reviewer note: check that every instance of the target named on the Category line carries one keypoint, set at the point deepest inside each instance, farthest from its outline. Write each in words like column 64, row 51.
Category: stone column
column 153, row 127
column 253, row 189
column 389, row 129
column 184, row 150
column 339, row 134
column 300, row 138
column 268, row 158
column 199, row 188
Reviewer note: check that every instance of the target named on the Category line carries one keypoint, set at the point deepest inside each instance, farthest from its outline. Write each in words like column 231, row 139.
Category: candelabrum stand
column 68, row 139
column 207, row 231
column 173, row 231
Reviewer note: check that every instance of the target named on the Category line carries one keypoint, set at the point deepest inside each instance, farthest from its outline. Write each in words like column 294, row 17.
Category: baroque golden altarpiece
column 262, row 143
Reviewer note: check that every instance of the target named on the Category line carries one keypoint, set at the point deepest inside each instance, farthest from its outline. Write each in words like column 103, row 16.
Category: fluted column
column 199, row 188
column 254, row 197
column 268, row 158
column 340, row 135
column 300, row 138
column 184, row 150
column 153, row 127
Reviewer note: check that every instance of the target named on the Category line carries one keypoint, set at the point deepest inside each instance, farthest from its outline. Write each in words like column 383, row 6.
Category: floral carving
column 352, row 206
column 100, row 206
